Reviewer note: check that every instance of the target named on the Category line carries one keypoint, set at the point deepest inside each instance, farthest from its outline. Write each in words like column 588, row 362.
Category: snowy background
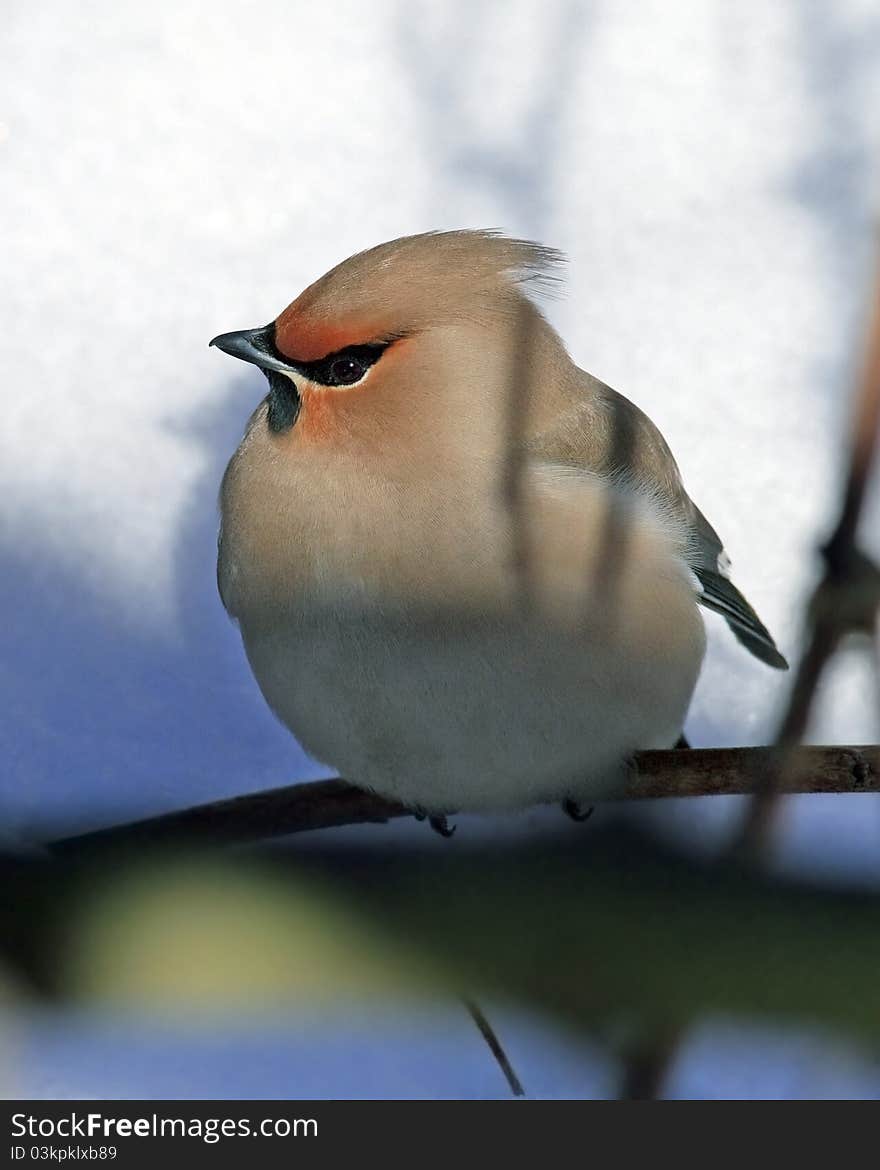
column 175, row 170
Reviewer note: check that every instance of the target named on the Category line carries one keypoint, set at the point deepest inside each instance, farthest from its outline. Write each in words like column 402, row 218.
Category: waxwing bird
column 466, row 572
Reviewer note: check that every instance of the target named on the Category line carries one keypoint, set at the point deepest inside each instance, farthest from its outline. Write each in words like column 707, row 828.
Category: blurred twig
column 845, row 601
column 519, row 385
column 326, row 804
column 646, row 1066
column 495, row 1047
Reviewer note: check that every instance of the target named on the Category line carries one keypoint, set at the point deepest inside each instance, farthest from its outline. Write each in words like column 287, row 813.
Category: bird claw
column 572, row 809
column 441, row 825
column 437, row 822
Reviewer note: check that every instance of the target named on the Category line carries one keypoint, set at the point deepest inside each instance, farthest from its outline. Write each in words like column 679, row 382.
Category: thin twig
column 512, row 479
column 646, row 1066
column 846, row 599
column 327, row 804
column 495, row 1046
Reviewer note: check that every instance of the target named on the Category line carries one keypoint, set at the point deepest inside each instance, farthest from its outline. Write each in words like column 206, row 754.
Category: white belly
column 465, row 714
column 384, row 629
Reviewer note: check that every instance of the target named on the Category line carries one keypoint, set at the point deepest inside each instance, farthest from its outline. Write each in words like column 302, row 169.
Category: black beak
column 254, row 345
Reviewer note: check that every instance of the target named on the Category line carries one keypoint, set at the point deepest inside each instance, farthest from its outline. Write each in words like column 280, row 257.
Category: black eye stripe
column 344, row 367
column 341, row 368
column 321, row 369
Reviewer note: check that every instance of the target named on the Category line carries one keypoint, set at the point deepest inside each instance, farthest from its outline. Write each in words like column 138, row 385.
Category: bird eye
column 344, row 371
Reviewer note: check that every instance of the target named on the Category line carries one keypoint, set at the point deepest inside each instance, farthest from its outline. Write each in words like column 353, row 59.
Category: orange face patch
column 332, row 414
column 301, row 338
column 320, row 417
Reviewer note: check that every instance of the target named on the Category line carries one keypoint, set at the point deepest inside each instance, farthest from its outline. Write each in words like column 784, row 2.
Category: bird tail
column 722, row 596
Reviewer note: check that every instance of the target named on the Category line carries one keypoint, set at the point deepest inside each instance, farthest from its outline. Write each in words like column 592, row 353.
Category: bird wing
column 606, row 433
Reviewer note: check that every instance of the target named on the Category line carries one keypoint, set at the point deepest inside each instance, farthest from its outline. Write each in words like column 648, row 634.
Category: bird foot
column 572, row 809
column 438, row 823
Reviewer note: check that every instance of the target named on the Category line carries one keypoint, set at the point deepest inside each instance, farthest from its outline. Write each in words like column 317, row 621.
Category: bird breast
column 449, row 647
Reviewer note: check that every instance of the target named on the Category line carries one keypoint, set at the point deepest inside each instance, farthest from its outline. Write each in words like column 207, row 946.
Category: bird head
column 393, row 342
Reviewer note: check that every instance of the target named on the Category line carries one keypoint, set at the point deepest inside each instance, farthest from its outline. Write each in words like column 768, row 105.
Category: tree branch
column 328, row 804
column 846, row 599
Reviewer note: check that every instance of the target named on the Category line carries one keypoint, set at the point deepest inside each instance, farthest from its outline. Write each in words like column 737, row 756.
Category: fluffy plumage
column 466, row 573
column 412, row 284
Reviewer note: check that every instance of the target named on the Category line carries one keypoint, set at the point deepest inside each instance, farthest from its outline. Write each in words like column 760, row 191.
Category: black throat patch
column 284, row 402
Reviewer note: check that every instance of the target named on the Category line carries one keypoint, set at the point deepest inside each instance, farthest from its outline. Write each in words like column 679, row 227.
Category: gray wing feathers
column 606, row 432
column 709, row 562
column 722, row 596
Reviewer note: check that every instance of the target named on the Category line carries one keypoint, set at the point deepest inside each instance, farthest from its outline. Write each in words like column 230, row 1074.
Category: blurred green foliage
column 607, row 933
